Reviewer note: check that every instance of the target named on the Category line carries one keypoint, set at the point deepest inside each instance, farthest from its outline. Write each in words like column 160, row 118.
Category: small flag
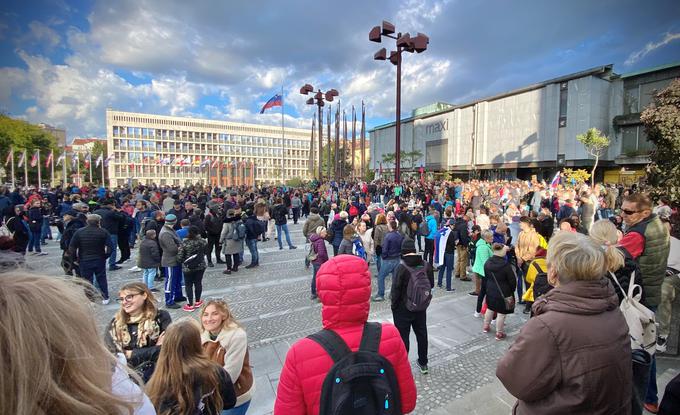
column 74, row 160
column 34, row 159
column 9, row 156
column 88, row 160
column 22, row 158
column 49, row 159
column 61, row 158
column 275, row 101
column 99, row 160
column 108, row 159
column 555, row 180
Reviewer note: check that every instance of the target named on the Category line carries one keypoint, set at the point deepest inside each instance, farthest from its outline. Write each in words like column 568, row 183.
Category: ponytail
column 613, row 257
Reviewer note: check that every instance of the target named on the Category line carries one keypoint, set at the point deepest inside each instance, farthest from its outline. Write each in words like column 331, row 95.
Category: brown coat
column 574, row 356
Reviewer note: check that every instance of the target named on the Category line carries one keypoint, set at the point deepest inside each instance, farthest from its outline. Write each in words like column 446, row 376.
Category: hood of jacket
column 579, row 297
column 343, row 285
column 314, row 237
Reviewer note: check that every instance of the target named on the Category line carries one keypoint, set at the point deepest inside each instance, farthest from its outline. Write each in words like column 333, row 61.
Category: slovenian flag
column 61, row 158
column 22, row 158
column 99, row 160
column 34, row 159
column 49, row 159
column 555, row 180
column 108, row 159
column 440, row 239
column 275, row 101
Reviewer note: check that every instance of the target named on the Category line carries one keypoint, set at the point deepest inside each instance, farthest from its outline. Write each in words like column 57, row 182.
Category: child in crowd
column 149, row 258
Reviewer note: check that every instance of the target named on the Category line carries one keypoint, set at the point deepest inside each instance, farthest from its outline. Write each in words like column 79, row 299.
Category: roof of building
column 83, row 141
column 603, row 71
column 649, row 70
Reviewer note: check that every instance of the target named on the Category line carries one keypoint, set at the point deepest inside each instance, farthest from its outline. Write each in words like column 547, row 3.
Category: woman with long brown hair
column 185, row 380
column 137, row 328
column 226, row 342
column 53, row 360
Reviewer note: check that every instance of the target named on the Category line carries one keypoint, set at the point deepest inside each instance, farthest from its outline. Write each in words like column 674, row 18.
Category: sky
column 64, row 62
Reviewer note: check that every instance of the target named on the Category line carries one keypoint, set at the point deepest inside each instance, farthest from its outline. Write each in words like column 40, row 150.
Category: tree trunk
column 592, row 173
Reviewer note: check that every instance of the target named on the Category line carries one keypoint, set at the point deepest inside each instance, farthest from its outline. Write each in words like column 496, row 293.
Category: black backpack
column 418, row 289
column 541, row 284
column 361, row 382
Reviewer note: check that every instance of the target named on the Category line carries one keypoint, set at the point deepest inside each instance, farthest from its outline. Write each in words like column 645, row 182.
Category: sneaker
column 651, row 407
column 378, row 298
column 154, row 290
column 661, row 342
column 173, row 306
column 313, row 297
column 106, row 301
column 478, row 315
column 500, row 335
column 252, row 266
column 188, row 308
column 472, row 293
column 465, row 279
column 210, row 264
column 423, row 369
column 198, row 303
column 41, row 253
column 450, row 290
column 486, row 328
column 293, row 247
column 135, row 269
column 226, row 272
column 115, row 268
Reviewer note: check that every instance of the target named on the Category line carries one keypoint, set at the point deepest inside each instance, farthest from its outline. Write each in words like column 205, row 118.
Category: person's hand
column 128, row 354
column 159, row 342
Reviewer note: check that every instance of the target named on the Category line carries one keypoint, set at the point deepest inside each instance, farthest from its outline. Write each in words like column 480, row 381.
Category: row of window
column 209, row 149
column 189, row 123
column 163, row 135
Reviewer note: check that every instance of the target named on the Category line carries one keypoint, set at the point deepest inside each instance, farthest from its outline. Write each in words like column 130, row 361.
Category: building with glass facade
column 168, row 150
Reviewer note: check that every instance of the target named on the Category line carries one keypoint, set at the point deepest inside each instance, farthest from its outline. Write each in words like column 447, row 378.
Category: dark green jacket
column 654, row 257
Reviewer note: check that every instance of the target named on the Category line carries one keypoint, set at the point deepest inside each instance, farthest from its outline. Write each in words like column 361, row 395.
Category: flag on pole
column 99, row 160
column 9, row 157
column 275, row 101
column 61, row 158
column 49, row 159
column 74, row 160
column 555, row 180
column 34, row 159
column 108, row 159
column 22, row 157
column 88, row 160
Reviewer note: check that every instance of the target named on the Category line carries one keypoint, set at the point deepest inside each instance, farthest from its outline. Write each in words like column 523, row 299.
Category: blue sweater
column 391, row 246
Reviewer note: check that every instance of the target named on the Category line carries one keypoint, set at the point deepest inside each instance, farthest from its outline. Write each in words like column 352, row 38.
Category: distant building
column 83, row 146
column 532, row 130
column 58, row 133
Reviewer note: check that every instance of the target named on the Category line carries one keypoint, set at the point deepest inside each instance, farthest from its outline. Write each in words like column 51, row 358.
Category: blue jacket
column 432, row 226
column 391, row 246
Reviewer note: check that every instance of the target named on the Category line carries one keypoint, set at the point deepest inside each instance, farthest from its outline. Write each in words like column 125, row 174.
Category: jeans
column 252, row 247
column 124, row 245
column 133, row 233
column 404, row 320
column 315, row 269
column 296, row 215
column 148, row 276
column 114, row 247
column 652, row 395
column 428, row 256
column 388, row 266
column 378, row 261
column 34, row 241
column 448, row 265
column 95, row 268
column 284, row 228
column 46, row 230
column 213, row 242
column 173, row 284
column 419, row 241
column 238, row 410
column 232, row 261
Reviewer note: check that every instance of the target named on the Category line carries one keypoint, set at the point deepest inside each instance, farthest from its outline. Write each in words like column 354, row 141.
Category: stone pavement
column 272, row 302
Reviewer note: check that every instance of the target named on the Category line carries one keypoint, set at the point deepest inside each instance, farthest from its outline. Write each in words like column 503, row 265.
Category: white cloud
column 650, row 47
column 41, row 35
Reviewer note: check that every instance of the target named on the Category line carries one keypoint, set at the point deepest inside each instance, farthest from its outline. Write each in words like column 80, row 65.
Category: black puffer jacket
column 213, row 224
column 497, row 267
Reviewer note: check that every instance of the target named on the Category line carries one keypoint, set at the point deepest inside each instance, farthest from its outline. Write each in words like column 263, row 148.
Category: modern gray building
column 528, row 131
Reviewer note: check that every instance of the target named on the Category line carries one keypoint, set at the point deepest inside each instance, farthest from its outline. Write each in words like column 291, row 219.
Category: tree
column 412, row 157
column 388, row 158
column 595, row 143
column 21, row 135
column 662, row 124
column 579, row 176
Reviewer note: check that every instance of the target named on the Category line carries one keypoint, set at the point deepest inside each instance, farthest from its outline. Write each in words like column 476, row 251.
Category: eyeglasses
column 630, row 212
column 128, row 297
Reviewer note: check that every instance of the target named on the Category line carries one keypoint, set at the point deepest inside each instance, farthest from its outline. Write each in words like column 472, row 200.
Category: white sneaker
column 135, row 269
column 106, row 301
column 478, row 315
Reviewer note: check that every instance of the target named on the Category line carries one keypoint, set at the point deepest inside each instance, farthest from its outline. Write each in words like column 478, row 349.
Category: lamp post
column 318, row 100
column 404, row 42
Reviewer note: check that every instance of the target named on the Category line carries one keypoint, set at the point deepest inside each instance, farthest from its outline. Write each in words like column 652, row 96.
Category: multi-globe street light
column 406, row 43
column 318, row 100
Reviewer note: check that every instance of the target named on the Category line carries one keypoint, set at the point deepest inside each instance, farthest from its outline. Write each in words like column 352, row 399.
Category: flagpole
column 329, row 119
column 363, row 140
column 39, row 178
column 25, row 170
column 103, row 181
column 90, row 165
column 64, row 182
column 354, row 136
column 78, row 171
column 52, row 168
column 14, row 184
column 283, row 140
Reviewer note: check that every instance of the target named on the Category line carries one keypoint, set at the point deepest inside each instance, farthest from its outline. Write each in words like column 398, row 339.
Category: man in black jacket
column 111, row 220
column 213, row 227
column 73, row 220
column 91, row 245
column 462, row 260
column 254, row 228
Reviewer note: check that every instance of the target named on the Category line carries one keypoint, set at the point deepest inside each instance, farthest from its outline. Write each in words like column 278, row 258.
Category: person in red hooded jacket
column 344, row 288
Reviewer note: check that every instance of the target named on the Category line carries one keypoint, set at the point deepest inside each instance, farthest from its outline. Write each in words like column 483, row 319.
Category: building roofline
column 598, row 70
column 649, row 70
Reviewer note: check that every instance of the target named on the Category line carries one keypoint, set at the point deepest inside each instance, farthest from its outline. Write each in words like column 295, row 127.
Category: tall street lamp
column 318, row 100
column 404, row 43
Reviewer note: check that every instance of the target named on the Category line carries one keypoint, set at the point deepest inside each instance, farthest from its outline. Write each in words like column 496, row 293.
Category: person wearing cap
column 73, row 220
column 111, row 221
column 170, row 243
column 404, row 319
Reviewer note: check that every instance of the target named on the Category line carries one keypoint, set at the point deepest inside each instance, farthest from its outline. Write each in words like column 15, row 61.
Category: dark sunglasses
column 630, row 212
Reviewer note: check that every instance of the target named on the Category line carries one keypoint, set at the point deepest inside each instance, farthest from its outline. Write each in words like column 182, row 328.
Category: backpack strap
column 370, row 338
column 332, row 343
column 538, row 267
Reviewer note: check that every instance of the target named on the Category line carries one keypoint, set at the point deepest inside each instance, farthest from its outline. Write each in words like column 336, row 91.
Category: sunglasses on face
column 630, row 212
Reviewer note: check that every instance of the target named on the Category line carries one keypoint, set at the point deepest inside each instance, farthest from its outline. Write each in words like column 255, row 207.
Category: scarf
column 147, row 330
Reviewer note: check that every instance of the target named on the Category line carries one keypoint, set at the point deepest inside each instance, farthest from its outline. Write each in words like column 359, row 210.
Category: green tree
column 21, row 135
column 346, row 164
column 412, row 157
column 579, row 176
column 662, row 123
column 595, row 143
column 99, row 148
column 387, row 159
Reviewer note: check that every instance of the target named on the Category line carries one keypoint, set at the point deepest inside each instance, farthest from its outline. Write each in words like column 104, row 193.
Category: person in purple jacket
column 318, row 241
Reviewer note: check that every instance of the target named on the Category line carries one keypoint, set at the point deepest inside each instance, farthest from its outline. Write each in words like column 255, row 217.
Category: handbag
column 509, row 301
column 641, row 320
column 311, row 255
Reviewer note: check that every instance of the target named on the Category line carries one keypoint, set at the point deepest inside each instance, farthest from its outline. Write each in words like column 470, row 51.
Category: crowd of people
column 569, row 255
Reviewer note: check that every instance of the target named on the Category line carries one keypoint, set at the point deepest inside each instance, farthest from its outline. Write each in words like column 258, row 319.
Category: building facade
column 168, row 150
column 526, row 132
column 58, row 133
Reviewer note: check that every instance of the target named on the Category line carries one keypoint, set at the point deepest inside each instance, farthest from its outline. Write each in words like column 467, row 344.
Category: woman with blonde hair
column 53, row 360
column 619, row 262
column 185, row 380
column 379, row 231
column 137, row 328
column 577, row 338
column 226, row 343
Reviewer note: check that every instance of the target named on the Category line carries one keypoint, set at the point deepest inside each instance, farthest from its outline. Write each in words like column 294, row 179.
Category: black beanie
column 408, row 246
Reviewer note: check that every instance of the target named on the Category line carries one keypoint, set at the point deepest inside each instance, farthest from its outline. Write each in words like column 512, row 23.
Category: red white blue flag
column 555, row 180
column 275, row 101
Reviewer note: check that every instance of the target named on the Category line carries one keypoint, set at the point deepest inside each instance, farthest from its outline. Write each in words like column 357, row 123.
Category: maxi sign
column 437, row 127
